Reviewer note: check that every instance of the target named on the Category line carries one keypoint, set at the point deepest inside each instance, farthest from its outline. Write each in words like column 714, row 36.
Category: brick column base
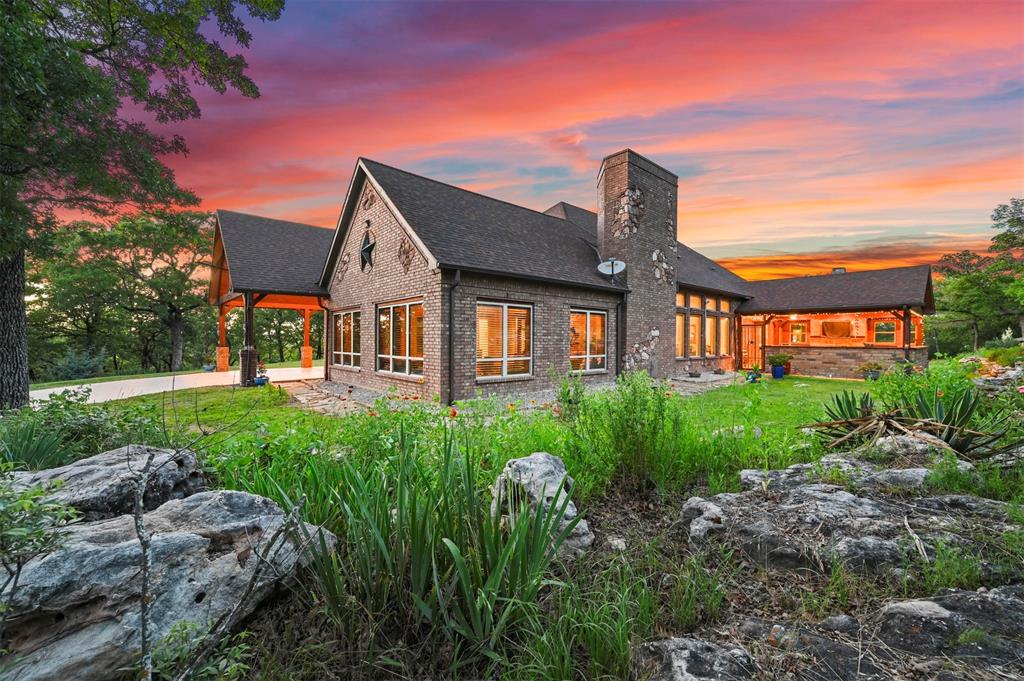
column 223, row 358
column 307, row 357
column 247, row 359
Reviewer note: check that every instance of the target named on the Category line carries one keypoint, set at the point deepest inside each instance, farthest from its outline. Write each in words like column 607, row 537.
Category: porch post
column 906, row 333
column 307, row 349
column 223, row 351
column 247, row 355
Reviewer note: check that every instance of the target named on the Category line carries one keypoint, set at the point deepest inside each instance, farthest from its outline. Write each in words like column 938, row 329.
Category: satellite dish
column 611, row 267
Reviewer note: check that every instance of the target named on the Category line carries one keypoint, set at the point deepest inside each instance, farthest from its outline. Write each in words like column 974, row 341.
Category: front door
column 752, row 345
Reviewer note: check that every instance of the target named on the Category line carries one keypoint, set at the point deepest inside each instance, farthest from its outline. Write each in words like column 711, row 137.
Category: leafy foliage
column 175, row 651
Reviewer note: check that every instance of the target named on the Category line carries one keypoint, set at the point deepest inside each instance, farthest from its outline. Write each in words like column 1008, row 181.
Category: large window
column 587, row 351
column 703, row 325
column 797, row 333
column 400, row 338
column 346, row 339
column 884, row 332
column 503, row 340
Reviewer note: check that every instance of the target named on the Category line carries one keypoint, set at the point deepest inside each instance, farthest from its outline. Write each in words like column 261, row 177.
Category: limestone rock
column 906, row 446
column 76, row 612
column 807, row 525
column 541, row 479
column 103, row 486
column 691, row 659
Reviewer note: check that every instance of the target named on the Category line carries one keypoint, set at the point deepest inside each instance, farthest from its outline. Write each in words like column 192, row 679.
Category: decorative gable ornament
column 366, row 249
column 369, row 198
column 406, row 252
column 342, row 268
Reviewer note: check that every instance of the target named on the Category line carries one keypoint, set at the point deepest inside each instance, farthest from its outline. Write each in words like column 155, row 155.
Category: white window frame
column 338, row 357
column 587, row 356
column 505, row 359
column 391, row 341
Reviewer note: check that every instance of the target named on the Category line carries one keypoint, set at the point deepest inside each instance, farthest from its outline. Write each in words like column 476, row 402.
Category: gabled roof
column 461, row 229
column 265, row 255
column 869, row 290
column 693, row 270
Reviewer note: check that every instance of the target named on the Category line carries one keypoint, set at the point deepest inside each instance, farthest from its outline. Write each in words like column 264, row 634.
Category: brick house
column 441, row 291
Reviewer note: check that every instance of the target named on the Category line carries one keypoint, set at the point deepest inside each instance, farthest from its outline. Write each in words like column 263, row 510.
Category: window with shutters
column 504, row 340
column 587, row 346
column 400, row 338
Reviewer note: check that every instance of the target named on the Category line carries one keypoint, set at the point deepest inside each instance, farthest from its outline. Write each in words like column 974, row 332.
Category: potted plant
column 754, row 375
column 871, row 370
column 694, row 374
column 778, row 363
column 261, row 373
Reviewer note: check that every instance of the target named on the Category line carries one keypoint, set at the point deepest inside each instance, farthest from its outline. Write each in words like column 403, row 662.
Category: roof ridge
column 467, row 191
column 264, row 217
column 844, row 274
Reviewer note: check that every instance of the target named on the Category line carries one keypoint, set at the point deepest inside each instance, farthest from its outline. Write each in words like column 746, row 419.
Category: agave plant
column 955, row 415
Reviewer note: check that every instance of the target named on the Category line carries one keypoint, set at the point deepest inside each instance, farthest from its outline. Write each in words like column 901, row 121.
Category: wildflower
column 939, row 393
column 453, row 413
column 372, row 413
column 1021, row 390
column 511, row 407
column 668, row 393
column 415, row 397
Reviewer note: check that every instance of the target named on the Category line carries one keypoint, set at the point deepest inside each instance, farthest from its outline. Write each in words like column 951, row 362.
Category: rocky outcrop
column 691, row 659
column 541, row 480
column 948, row 636
column 77, row 610
column 788, row 519
column 103, row 485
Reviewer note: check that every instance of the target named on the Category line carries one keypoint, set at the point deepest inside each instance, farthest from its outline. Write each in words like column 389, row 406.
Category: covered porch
column 835, row 325
column 834, row 344
column 265, row 263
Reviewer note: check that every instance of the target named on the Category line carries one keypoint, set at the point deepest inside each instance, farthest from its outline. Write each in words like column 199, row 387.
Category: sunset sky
column 805, row 134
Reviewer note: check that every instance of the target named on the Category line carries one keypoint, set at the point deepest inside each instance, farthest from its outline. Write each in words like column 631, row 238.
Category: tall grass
column 645, row 436
column 424, row 564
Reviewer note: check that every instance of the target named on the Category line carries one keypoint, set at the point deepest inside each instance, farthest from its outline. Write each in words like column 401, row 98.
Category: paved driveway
column 116, row 390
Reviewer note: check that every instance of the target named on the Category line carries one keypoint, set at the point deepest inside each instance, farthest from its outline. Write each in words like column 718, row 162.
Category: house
column 441, row 291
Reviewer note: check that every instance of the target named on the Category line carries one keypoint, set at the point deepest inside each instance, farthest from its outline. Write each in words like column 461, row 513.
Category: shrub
column 173, row 653
column 894, row 389
column 81, row 428
column 779, row 360
column 25, row 445
column 1007, row 356
column 79, row 364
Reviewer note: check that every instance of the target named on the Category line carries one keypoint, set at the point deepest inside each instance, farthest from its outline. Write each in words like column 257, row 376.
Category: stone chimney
column 636, row 223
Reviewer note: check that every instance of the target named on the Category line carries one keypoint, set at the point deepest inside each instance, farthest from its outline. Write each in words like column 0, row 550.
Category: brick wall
column 844, row 362
column 389, row 280
column 636, row 223
column 551, row 304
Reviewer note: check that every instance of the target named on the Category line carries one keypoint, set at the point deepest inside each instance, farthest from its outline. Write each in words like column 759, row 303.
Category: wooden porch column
column 247, row 355
column 907, row 324
column 223, row 351
column 307, row 350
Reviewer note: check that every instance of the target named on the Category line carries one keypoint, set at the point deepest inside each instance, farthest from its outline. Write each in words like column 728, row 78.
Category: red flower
column 453, row 412
column 415, row 397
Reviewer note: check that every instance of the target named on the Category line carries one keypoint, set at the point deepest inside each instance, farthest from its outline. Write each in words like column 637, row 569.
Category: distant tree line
column 131, row 298
column 980, row 296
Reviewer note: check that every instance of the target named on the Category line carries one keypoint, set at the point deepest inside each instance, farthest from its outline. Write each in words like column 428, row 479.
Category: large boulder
column 541, row 480
column 691, row 659
column 846, row 470
column 104, row 485
column 76, row 612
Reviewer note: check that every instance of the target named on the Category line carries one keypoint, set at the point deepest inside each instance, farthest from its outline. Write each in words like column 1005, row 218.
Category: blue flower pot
column 778, row 372
column 261, row 380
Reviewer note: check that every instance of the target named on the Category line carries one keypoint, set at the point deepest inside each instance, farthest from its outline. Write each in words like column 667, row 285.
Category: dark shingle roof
column 693, row 270
column 462, row 229
column 273, row 256
column 868, row 290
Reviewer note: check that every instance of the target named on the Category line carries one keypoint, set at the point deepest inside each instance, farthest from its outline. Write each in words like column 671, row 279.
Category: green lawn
column 790, row 402
column 123, row 377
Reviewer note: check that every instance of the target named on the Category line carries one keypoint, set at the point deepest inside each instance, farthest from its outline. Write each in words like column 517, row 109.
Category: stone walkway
column 312, row 395
column 686, row 386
